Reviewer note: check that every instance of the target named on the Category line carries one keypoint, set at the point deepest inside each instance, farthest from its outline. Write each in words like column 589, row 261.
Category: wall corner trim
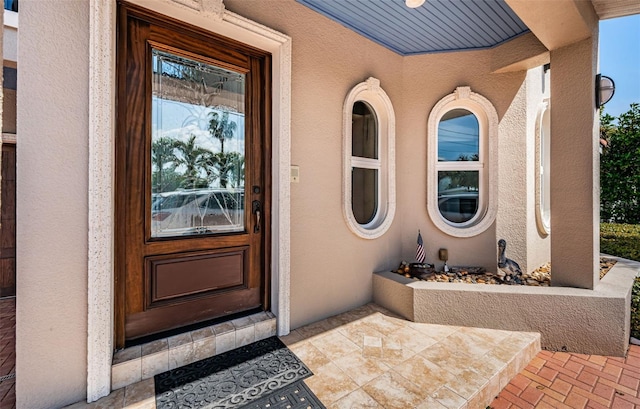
column 100, row 198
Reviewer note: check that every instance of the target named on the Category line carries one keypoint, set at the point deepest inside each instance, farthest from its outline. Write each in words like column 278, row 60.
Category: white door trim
column 211, row 15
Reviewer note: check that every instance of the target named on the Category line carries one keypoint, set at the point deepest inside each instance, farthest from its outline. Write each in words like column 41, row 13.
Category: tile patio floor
column 370, row 358
column 551, row 380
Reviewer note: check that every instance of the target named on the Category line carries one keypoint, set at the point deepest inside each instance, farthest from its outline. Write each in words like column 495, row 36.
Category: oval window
column 369, row 143
column 462, row 178
column 543, row 182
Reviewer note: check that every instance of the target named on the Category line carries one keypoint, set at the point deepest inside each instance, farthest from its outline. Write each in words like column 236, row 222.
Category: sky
column 620, row 60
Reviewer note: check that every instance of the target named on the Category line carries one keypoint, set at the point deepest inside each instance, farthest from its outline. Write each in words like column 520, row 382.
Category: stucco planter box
column 568, row 319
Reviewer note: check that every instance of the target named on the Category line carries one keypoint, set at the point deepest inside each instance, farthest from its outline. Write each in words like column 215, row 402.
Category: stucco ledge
column 569, row 319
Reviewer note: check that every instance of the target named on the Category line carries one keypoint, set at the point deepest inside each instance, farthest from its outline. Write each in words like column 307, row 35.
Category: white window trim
column 10, row 19
column 543, row 223
column 370, row 92
column 464, row 98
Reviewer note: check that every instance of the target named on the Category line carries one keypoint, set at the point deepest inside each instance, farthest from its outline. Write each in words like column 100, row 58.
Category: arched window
column 543, row 162
column 462, row 148
column 369, row 162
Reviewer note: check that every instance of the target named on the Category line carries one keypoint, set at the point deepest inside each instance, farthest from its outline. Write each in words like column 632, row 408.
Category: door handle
column 256, row 209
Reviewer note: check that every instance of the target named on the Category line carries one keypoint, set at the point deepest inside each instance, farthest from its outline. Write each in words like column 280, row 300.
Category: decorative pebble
column 540, row 277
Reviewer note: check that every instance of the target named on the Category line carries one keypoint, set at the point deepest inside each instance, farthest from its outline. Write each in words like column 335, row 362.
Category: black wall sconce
column 605, row 88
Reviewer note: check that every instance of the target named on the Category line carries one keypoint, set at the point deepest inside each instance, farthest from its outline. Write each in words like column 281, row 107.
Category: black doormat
column 295, row 396
column 232, row 379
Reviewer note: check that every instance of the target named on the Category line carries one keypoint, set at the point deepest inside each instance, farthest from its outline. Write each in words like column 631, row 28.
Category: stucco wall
column 330, row 266
column 52, row 203
column 575, row 204
column 511, row 223
column 328, row 271
column 426, row 80
column 538, row 249
column 516, row 221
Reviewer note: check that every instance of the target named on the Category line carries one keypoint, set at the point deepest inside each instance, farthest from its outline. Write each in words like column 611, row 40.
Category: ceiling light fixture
column 414, row 3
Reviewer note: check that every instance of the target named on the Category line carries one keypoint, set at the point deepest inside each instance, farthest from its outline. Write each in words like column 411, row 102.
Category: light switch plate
column 295, row 173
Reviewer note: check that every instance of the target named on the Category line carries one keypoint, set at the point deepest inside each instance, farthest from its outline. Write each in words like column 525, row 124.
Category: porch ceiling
column 436, row 26
column 615, row 8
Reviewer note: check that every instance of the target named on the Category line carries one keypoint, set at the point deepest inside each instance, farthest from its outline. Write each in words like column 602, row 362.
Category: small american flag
column 420, row 256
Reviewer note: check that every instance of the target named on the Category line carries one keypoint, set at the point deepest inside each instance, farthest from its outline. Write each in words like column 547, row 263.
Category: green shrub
column 620, row 167
column 635, row 309
column 622, row 240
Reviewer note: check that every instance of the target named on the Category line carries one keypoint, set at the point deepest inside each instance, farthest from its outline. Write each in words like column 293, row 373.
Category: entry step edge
column 519, row 362
column 139, row 362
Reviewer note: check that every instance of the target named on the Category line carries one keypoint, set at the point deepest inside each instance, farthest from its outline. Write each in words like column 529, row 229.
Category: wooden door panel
column 170, row 278
column 183, row 255
column 191, row 312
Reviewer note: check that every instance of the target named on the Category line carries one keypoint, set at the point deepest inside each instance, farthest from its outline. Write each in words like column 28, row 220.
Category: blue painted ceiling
column 436, row 26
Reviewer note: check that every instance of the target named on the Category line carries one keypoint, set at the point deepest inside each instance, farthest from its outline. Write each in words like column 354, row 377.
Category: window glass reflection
column 364, row 134
column 11, row 5
column 458, row 195
column 458, row 136
column 197, row 147
column 364, row 199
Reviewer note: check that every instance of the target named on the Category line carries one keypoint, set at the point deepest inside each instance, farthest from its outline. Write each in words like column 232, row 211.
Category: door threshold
column 190, row 328
column 146, row 360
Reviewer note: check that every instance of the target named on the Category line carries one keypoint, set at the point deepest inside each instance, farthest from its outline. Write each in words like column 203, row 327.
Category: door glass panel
column 197, row 148
column 458, row 195
column 458, row 136
column 364, row 194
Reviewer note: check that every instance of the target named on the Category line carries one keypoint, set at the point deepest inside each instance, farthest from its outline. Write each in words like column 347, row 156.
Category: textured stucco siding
column 52, row 209
column 330, row 266
column 575, row 155
column 516, row 221
column 538, row 249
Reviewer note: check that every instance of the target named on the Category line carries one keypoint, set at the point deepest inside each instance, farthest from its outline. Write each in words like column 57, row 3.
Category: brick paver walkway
column 565, row 380
column 7, row 353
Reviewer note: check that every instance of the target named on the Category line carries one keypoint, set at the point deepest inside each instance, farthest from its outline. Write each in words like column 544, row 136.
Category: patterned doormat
column 297, row 395
column 264, row 373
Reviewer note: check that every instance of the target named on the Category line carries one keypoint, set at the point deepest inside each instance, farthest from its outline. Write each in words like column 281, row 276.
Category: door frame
column 138, row 270
column 212, row 16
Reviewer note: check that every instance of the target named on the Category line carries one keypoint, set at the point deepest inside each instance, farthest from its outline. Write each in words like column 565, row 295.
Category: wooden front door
column 8, row 222
column 193, row 183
